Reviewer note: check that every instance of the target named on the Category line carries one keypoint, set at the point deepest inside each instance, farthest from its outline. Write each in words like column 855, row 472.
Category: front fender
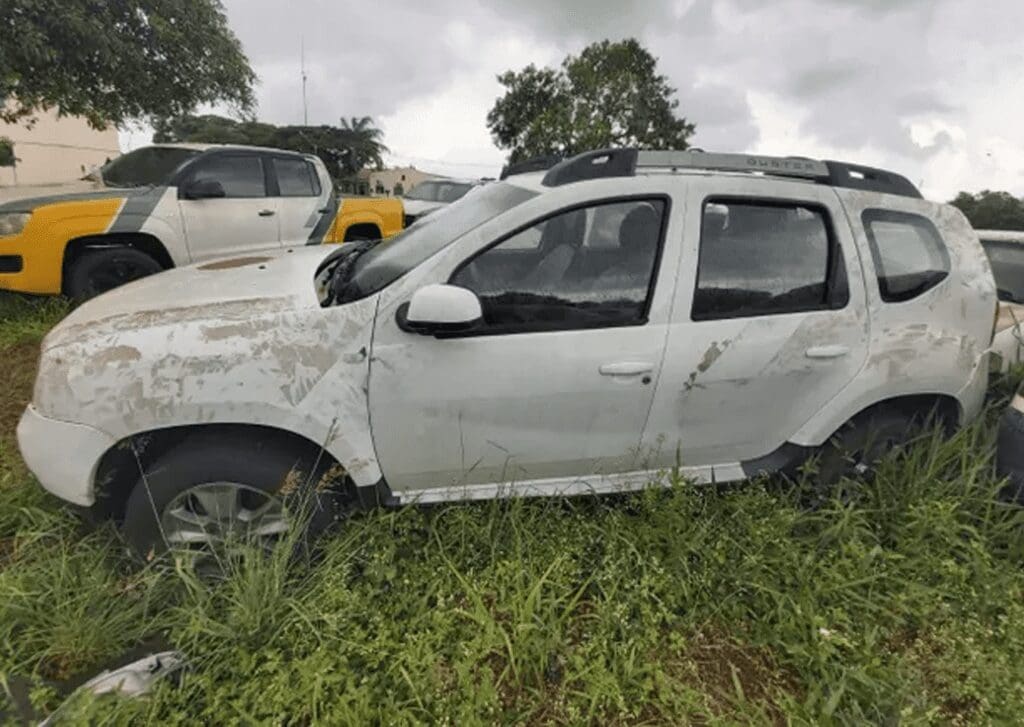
column 305, row 371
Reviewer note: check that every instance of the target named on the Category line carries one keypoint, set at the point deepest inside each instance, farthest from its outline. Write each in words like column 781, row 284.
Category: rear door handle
column 833, row 351
column 266, row 213
column 626, row 368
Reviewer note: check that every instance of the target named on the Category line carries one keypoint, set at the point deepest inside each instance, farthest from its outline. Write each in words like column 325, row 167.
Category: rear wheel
column 859, row 446
column 215, row 493
column 98, row 270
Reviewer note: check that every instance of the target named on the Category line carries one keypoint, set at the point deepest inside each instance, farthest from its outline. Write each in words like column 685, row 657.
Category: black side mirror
column 204, row 189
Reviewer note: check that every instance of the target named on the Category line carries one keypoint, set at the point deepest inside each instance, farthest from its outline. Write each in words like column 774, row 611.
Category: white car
column 1005, row 250
column 434, row 194
column 747, row 313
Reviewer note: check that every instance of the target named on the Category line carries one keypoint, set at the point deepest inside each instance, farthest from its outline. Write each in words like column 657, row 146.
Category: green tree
column 610, row 95
column 113, row 61
column 990, row 210
column 365, row 141
column 345, row 149
column 7, row 158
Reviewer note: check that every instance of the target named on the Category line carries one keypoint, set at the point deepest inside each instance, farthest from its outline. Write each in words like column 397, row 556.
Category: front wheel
column 214, row 492
column 99, row 270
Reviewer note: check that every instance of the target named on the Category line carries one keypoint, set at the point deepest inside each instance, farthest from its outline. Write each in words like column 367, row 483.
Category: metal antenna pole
column 302, row 61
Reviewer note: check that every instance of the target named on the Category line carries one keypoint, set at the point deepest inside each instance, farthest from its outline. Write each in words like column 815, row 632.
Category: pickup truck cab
column 583, row 330
column 169, row 205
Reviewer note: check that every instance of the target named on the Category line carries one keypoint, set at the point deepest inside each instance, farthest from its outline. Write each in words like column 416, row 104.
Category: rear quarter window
column 910, row 255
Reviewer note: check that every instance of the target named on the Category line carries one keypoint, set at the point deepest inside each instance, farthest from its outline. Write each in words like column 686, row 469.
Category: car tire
column 856, row 449
column 170, row 503
column 101, row 269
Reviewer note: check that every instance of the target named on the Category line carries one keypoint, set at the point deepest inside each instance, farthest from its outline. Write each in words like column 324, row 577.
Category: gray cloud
column 850, row 75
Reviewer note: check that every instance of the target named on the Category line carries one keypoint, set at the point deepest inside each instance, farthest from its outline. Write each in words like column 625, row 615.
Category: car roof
column 228, row 147
column 1002, row 235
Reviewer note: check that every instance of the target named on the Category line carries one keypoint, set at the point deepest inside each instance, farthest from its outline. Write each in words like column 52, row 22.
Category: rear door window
column 296, row 178
column 910, row 256
column 241, row 175
column 766, row 258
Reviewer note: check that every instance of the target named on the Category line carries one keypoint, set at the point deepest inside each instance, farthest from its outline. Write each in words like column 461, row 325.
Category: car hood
column 235, row 288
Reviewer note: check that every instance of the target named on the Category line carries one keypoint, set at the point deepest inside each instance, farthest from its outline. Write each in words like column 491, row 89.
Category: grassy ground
column 672, row 606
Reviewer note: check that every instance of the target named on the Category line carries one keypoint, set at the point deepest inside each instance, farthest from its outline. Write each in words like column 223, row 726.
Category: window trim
column 878, row 214
column 643, row 320
column 837, row 281
column 187, row 174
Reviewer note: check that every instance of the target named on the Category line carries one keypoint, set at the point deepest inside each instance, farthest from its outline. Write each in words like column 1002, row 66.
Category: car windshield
column 438, row 191
column 393, row 258
column 142, row 167
column 1007, row 260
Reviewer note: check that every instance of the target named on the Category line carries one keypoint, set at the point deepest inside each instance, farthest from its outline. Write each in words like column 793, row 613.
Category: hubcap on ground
column 211, row 514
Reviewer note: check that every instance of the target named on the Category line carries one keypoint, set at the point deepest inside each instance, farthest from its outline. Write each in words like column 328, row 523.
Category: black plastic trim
column 600, row 164
column 870, row 179
column 1010, row 454
column 11, row 264
column 785, row 460
column 536, row 164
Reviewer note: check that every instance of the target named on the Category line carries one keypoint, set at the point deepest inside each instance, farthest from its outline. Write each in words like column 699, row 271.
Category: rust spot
column 236, row 262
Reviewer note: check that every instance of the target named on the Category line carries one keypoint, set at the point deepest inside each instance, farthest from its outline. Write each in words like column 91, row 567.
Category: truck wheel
column 99, row 270
column 212, row 492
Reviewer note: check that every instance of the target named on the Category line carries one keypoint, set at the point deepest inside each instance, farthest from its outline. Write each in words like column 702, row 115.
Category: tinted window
column 766, row 258
column 1007, row 260
column 438, row 191
column 910, row 257
column 241, row 175
column 149, row 165
column 296, row 178
column 394, row 257
column 551, row 276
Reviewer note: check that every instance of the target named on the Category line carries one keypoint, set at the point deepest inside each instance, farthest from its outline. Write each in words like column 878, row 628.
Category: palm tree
column 364, row 141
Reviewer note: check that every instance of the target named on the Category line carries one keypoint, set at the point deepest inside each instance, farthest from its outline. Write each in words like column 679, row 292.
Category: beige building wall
column 383, row 183
column 55, row 150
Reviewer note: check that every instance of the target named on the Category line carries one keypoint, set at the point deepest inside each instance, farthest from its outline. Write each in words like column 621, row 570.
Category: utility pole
column 302, row 62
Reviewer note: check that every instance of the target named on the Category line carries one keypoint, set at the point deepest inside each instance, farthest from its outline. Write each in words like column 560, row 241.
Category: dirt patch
column 17, row 376
column 725, row 668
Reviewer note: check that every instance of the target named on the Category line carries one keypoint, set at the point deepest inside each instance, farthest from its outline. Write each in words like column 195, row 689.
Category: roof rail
column 626, row 163
column 854, row 176
column 536, row 164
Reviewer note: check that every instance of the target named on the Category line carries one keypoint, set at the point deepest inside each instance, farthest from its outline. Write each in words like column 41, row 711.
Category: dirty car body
column 584, row 332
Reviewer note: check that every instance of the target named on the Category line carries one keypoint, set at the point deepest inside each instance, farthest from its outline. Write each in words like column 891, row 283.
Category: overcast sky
column 931, row 88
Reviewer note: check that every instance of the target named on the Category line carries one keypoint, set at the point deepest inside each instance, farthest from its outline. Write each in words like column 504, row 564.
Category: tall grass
column 902, row 603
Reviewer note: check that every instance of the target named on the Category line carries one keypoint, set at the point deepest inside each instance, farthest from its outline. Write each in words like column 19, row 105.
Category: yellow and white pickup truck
column 170, row 205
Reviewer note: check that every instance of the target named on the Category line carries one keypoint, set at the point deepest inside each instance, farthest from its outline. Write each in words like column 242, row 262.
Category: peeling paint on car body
column 441, row 418
column 252, row 349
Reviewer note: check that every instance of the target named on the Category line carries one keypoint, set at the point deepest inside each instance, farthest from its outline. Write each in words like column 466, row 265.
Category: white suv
column 581, row 330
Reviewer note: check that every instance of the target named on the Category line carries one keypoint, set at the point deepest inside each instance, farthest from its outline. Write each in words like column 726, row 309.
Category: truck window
column 910, row 256
column 296, row 178
column 241, row 175
column 1007, row 259
column 766, row 258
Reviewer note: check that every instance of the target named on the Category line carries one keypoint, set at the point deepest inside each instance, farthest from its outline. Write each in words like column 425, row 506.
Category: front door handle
column 626, row 368
column 266, row 213
column 833, row 351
